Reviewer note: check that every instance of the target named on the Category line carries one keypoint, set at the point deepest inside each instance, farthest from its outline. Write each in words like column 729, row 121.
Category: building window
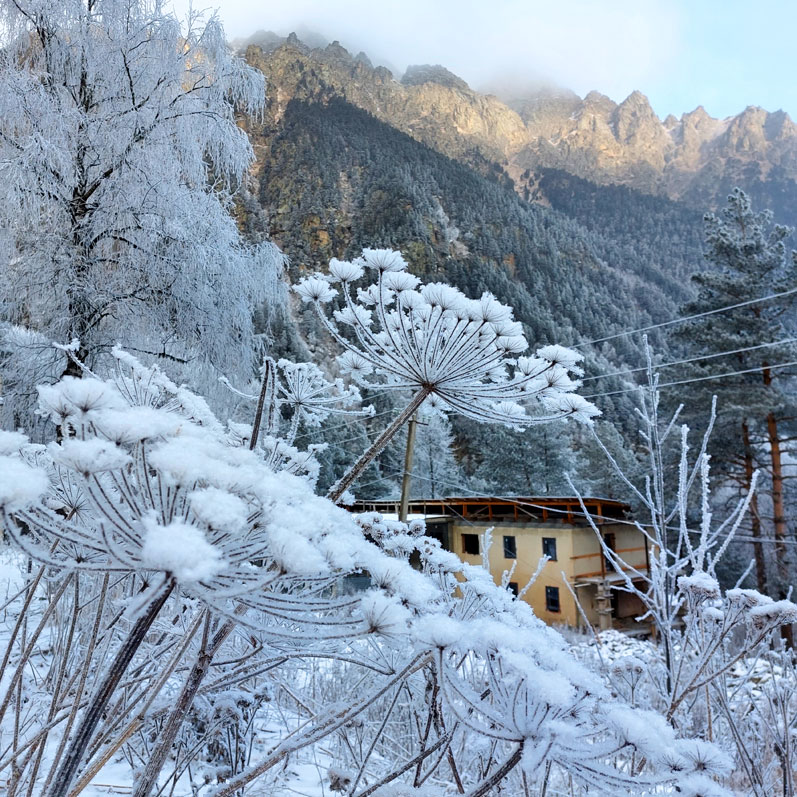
column 513, row 588
column 549, row 547
column 470, row 544
column 552, row 599
column 510, row 548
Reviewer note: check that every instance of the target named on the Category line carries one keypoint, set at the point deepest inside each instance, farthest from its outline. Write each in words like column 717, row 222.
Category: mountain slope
column 696, row 159
column 334, row 179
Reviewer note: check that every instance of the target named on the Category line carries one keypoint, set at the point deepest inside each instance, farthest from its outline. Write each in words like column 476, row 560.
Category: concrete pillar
column 604, row 603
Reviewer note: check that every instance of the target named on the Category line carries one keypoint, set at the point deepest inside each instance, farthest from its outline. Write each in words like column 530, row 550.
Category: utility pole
column 405, row 481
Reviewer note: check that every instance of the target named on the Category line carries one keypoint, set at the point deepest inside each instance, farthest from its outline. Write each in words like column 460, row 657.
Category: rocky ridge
column 696, row 158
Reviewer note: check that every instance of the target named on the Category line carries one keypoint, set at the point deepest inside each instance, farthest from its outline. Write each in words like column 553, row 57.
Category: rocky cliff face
column 629, row 144
column 432, row 105
column 696, row 158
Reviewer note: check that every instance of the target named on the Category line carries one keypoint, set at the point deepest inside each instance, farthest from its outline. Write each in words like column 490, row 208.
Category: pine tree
column 529, row 462
column 435, row 471
column 747, row 255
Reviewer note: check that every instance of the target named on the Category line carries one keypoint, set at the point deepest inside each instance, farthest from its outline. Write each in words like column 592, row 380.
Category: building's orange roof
column 524, row 509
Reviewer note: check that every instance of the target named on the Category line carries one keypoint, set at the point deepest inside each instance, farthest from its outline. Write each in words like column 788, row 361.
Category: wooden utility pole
column 778, row 508
column 407, row 478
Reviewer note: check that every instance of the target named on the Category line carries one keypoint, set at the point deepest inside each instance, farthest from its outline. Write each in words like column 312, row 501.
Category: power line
column 697, row 379
column 691, row 359
column 347, row 423
column 680, row 320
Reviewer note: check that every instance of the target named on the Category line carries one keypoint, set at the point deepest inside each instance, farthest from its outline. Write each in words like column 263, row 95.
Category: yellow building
column 525, row 529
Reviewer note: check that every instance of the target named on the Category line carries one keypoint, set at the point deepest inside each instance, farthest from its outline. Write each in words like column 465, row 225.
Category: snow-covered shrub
column 201, row 592
column 700, row 675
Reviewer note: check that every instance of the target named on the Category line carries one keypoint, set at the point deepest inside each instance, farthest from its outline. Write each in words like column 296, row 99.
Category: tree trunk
column 778, row 510
column 755, row 519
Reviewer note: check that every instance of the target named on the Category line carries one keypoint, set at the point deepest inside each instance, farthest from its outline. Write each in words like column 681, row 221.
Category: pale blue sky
column 723, row 54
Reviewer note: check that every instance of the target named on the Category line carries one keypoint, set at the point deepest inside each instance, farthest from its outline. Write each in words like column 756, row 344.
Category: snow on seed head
column 20, row 484
column 704, row 757
column 489, row 309
column 556, row 377
column 88, row 456
column 712, row 614
column 315, row 289
column 11, row 442
column 511, row 344
column 219, row 509
column 508, row 329
column 435, row 404
column 353, row 316
column 179, row 549
column 411, row 300
column 559, row 354
column 293, row 552
column 700, row 585
column 135, row 424
column 647, row 731
column 433, row 338
column 437, row 631
column 383, row 614
column 531, row 365
column 696, row 784
column 775, row 613
column 574, row 406
column 384, row 260
column 746, row 598
column 354, row 364
column 400, row 281
column 193, row 459
column 75, row 398
column 344, row 270
column 510, row 410
column 438, row 294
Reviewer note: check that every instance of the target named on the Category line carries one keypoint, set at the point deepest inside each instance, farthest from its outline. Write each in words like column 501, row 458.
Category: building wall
column 578, row 556
column 528, row 541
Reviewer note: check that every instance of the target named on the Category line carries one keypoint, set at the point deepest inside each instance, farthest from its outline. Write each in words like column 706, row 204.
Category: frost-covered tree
column 118, row 154
column 748, row 259
column 699, row 676
column 527, row 462
column 435, row 471
column 461, row 354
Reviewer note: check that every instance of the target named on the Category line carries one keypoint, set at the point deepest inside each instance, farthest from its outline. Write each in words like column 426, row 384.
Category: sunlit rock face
column 696, row 158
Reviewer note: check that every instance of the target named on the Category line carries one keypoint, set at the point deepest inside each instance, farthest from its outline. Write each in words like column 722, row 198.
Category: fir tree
column 748, row 260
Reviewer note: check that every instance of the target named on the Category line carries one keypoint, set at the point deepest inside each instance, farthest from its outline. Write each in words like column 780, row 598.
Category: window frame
column 552, row 596
column 468, row 538
column 510, row 551
column 545, row 540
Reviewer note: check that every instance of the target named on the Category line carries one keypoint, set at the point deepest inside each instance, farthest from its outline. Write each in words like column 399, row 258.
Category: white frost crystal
column 20, row 484
column 181, row 550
